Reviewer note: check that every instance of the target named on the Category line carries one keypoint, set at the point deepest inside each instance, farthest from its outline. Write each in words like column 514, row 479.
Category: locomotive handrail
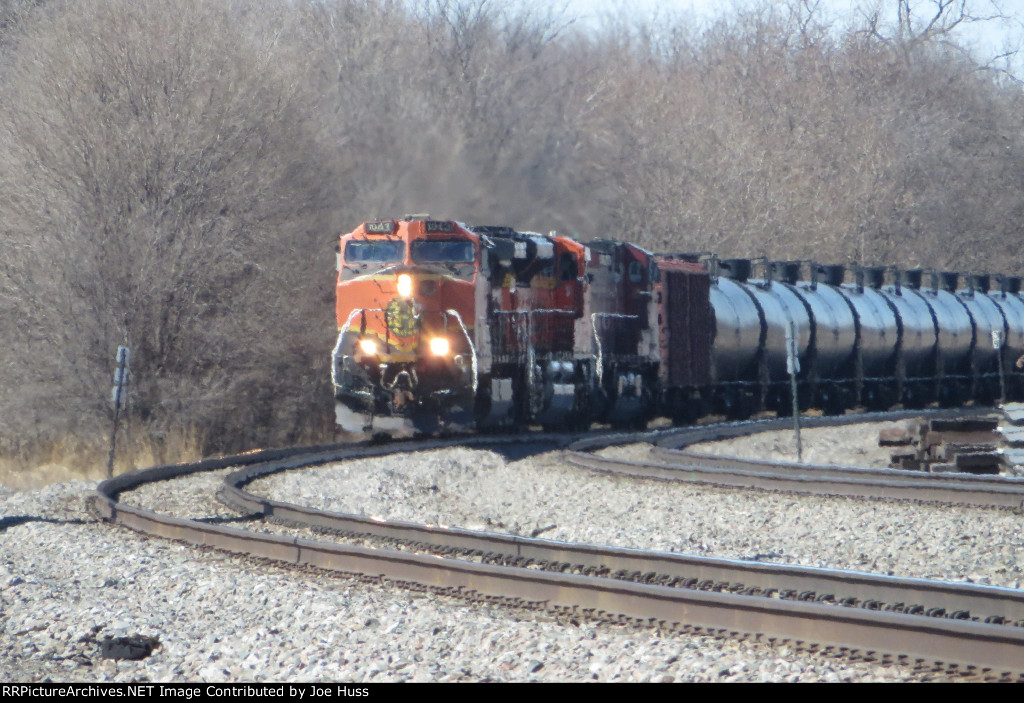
column 341, row 336
column 465, row 332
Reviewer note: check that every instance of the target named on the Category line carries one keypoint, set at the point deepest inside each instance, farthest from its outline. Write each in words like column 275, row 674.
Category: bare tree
column 156, row 181
column 175, row 174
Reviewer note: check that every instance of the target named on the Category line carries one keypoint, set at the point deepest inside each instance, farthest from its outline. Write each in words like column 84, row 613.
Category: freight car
column 443, row 326
column 859, row 343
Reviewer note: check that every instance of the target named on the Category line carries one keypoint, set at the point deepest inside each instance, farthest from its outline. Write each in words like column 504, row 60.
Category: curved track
column 669, row 460
column 668, row 590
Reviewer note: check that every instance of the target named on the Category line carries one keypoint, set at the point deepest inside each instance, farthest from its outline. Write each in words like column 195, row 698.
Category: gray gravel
column 67, row 581
column 853, row 445
column 478, row 490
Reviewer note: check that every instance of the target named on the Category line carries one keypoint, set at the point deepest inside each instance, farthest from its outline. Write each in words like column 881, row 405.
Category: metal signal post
column 117, row 394
column 793, row 367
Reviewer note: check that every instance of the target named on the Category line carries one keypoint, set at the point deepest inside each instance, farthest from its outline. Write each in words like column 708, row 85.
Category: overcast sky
column 989, row 38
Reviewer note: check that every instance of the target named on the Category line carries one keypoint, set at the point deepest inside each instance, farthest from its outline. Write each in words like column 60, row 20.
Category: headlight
column 368, row 347
column 405, row 285
column 439, row 346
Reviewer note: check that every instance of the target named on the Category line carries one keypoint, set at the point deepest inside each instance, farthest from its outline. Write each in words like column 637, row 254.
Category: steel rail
column 871, row 590
column 921, row 489
column 671, row 461
column 688, row 458
column 976, row 647
column 979, row 646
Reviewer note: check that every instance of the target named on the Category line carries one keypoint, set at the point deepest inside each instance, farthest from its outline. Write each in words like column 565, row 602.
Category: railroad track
column 670, row 460
column 955, row 627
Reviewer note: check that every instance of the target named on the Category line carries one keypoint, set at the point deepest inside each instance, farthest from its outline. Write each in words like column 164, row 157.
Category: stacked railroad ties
column 979, row 445
column 1012, row 431
column 966, row 445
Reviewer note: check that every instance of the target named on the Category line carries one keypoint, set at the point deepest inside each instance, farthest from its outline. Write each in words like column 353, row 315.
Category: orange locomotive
column 405, row 355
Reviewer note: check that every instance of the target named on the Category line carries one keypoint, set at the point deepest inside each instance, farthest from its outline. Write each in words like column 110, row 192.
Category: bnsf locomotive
column 444, row 326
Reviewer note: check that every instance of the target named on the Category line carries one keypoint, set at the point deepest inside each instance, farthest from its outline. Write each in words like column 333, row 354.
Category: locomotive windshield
column 383, row 251
column 447, row 251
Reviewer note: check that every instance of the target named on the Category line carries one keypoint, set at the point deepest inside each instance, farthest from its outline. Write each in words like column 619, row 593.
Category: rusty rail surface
column 979, row 647
column 849, row 588
column 669, row 460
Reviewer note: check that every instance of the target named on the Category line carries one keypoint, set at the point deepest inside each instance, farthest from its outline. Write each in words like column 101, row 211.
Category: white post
column 793, row 367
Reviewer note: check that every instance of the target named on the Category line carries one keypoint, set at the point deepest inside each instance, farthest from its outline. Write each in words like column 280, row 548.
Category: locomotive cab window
column 567, row 267
column 376, row 252
column 443, row 251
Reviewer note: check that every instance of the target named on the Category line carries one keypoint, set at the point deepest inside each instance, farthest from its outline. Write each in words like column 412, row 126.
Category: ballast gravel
column 68, row 581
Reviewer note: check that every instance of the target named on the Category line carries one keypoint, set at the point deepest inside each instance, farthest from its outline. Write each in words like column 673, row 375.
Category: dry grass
column 78, row 460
